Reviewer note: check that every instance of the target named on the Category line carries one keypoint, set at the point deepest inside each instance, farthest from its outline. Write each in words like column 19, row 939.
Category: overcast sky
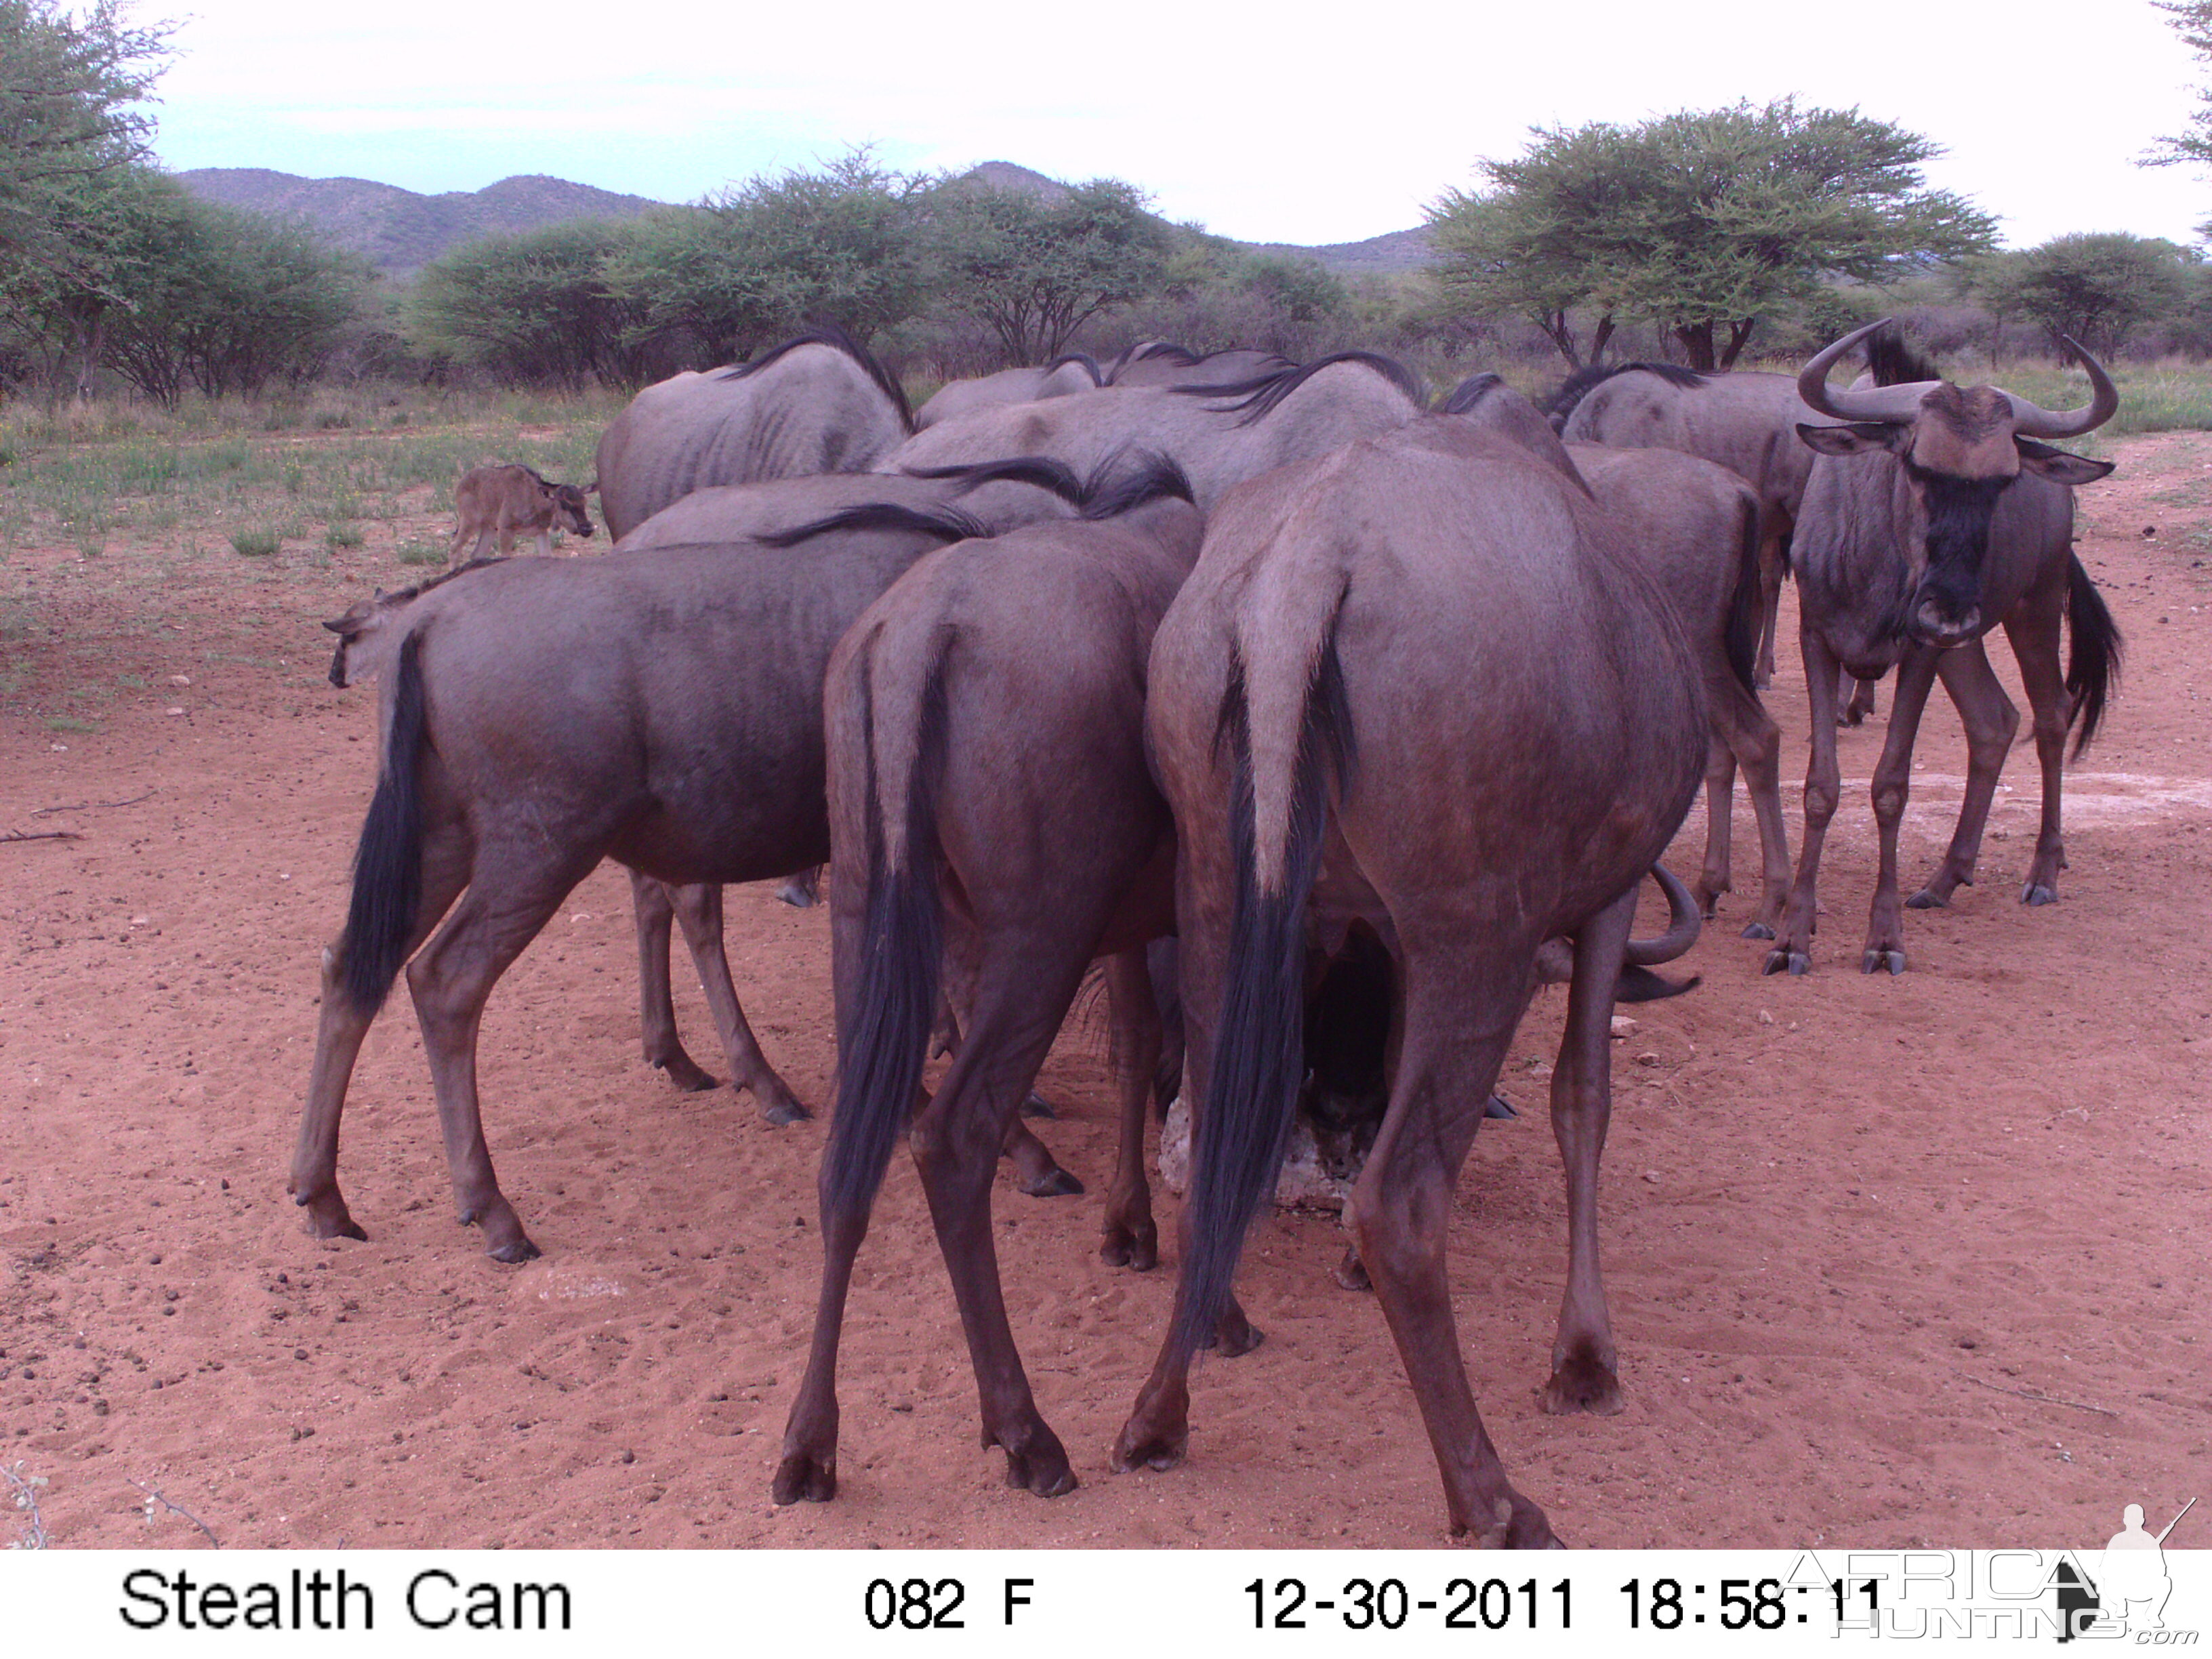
column 1291, row 123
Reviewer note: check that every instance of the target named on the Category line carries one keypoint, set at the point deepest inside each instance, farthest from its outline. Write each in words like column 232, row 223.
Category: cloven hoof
column 1877, row 961
column 1783, row 960
column 2036, row 893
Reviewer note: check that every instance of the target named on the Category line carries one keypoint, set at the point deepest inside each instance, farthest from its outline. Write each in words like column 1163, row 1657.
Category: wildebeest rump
column 491, row 503
column 663, row 709
column 1930, row 518
column 993, row 815
column 1744, row 421
column 1692, row 526
column 818, row 402
column 1413, row 690
column 1063, row 375
column 1219, row 438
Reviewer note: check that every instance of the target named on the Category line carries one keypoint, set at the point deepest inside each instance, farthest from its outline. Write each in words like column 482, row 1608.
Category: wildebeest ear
column 340, row 625
column 2057, row 466
column 593, row 488
column 1859, row 438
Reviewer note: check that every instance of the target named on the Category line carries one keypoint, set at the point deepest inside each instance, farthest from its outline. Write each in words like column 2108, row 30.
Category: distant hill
column 399, row 231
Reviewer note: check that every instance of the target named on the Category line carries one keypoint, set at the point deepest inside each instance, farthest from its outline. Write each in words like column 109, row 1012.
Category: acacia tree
column 759, row 261
column 538, row 307
column 1702, row 221
column 1034, row 271
column 2192, row 22
column 2096, row 287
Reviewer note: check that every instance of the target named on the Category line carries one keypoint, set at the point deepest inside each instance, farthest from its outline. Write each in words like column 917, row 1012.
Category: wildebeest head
column 1959, row 449
column 367, row 639
column 569, row 508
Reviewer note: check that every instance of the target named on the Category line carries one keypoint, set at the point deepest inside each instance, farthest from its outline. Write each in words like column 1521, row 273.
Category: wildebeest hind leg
column 339, row 1029
column 1459, row 1020
column 699, row 913
column 1016, row 1013
column 1991, row 722
column 654, row 908
column 1585, row 1368
column 1749, row 732
column 2033, row 630
column 1131, row 1238
column 512, row 894
column 1720, row 801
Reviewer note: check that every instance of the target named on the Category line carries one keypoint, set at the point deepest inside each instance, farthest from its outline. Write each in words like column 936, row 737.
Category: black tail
column 387, row 865
column 947, row 523
column 1748, row 607
column 1259, row 1058
column 883, row 1035
column 2093, row 657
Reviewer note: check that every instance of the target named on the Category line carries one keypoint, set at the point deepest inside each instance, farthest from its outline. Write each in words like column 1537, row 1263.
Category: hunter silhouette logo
column 2131, row 1587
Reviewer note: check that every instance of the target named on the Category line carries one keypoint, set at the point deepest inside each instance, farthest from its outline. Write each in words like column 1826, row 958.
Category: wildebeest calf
column 494, row 503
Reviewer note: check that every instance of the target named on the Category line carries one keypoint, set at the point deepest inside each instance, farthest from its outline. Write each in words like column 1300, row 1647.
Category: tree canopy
column 761, row 260
column 2099, row 287
column 70, row 91
column 1034, row 270
column 1701, row 222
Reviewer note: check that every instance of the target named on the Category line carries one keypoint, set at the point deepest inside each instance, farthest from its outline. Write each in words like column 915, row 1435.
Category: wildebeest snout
column 1939, row 621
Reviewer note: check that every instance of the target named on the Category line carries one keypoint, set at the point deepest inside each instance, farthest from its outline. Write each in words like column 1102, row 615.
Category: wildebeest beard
column 1958, row 514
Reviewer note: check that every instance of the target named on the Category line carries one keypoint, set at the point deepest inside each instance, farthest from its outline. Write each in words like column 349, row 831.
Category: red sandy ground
column 1891, row 1261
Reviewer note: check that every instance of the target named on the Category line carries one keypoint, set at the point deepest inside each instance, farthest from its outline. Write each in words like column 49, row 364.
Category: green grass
column 339, row 536
column 421, row 553
column 256, row 543
column 70, row 723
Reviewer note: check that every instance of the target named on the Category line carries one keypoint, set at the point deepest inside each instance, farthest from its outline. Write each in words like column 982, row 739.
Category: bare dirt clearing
column 1921, row 1259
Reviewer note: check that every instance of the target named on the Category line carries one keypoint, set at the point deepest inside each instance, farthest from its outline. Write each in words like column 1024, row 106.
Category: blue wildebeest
column 663, row 709
column 1073, row 371
column 819, row 403
column 997, row 831
column 1933, row 515
column 1410, row 687
column 491, row 503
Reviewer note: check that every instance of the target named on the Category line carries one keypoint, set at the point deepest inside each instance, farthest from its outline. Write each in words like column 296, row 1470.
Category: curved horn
column 1681, row 925
column 2033, row 420
column 1888, row 402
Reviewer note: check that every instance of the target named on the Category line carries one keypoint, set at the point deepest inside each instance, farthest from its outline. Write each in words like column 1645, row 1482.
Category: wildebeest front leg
column 654, row 907
column 1891, row 788
column 513, row 892
column 1585, row 1369
column 339, row 1029
column 1750, row 734
column 1132, row 1239
column 1823, row 784
column 1991, row 722
column 1459, row 1021
column 2032, row 627
column 699, row 913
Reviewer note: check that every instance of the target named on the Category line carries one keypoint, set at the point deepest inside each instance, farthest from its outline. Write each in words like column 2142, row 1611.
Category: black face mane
column 1262, row 395
column 829, row 334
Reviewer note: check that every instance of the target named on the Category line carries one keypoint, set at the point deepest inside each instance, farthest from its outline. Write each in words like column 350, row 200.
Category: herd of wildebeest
column 1249, row 680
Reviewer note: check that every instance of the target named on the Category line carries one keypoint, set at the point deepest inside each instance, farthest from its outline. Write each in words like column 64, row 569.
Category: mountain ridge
column 400, row 231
